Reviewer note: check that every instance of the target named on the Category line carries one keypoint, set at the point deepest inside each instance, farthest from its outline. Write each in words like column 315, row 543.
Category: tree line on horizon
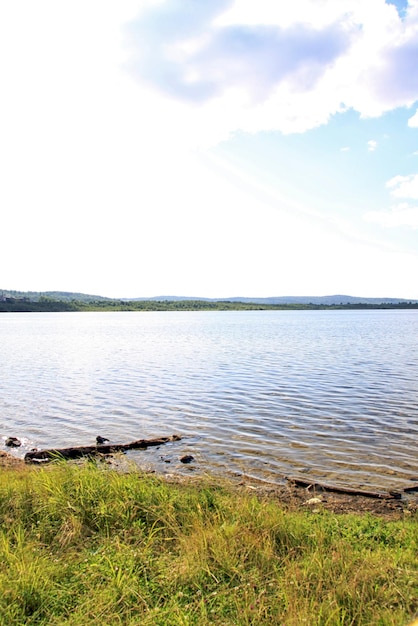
column 49, row 304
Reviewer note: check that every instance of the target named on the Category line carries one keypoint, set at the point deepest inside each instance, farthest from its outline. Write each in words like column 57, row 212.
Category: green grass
column 82, row 545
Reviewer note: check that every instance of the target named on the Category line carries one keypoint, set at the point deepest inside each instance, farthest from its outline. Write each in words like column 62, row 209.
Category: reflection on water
column 331, row 394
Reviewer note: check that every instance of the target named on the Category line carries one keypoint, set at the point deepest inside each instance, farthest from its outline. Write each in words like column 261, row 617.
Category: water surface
column 329, row 395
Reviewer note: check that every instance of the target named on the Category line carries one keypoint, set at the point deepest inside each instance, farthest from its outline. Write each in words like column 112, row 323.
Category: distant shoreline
column 49, row 305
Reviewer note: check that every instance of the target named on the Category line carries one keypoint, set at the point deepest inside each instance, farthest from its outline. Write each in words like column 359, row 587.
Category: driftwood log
column 40, row 456
column 392, row 495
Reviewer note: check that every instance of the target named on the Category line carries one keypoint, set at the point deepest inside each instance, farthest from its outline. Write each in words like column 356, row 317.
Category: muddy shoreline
column 290, row 495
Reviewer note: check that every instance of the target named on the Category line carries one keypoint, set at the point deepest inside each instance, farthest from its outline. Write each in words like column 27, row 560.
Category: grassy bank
column 81, row 545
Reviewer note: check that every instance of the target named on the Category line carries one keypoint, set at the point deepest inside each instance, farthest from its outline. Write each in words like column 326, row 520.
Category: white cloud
column 270, row 65
column 404, row 186
column 403, row 213
column 198, row 61
column 413, row 121
column 371, row 145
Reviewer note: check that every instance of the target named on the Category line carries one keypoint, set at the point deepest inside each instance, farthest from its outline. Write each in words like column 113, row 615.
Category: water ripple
column 328, row 394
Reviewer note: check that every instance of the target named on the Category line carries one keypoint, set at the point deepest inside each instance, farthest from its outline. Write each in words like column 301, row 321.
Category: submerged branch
column 395, row 495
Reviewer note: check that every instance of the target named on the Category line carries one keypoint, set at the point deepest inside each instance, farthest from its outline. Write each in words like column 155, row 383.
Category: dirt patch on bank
column 8, row 460
column 294, row 497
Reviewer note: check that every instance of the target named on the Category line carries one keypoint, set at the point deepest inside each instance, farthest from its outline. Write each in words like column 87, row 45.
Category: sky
column 209, row 148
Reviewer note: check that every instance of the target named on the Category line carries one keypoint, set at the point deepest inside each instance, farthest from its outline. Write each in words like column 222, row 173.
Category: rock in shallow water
column 187, row 458
column 13, row 442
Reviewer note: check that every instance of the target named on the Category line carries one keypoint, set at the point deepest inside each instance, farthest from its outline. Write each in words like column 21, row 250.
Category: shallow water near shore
column 325, row 395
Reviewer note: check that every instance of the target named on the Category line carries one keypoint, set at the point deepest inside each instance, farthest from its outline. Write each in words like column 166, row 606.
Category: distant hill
column 329, row 300
column 53, row 295
column 318, row 300
column 67, row 296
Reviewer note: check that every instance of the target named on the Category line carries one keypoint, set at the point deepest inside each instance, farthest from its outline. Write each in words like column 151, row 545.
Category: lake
column 323, row 395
